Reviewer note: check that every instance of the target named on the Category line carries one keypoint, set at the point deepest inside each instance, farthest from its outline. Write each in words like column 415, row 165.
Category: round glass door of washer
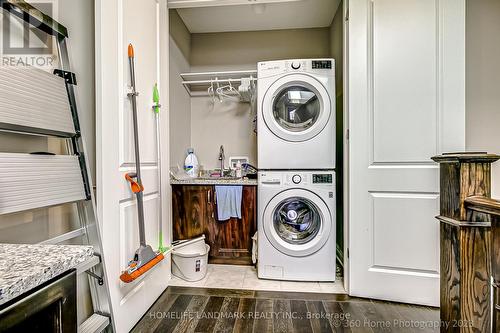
column 296, row 108
column 297, row 222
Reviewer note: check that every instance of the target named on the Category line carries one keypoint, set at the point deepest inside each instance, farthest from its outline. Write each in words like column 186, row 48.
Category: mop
column 144, row 258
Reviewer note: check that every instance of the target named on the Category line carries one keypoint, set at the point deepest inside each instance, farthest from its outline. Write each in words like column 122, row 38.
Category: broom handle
column 158, row 152
column 156, row 110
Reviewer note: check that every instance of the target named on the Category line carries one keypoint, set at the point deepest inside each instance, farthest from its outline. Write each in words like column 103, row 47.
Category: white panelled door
column 406, row 91
column 144, row 24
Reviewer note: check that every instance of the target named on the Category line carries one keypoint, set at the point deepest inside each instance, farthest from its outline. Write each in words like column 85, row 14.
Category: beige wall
column 180, row 102
column 482, row 80
column 78, row 17
column 337, row 53
column 180, row 34
column 337, row 47
column 242, row 50
column 231, row 124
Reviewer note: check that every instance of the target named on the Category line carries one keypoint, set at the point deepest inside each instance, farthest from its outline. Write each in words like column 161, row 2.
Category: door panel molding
column 388, row 209
column 129, row 235
column 405, row 271
column 449, row 83
column 377, row 79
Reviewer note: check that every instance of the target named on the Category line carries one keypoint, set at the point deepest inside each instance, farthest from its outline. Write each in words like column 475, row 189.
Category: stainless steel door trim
column 61, row 290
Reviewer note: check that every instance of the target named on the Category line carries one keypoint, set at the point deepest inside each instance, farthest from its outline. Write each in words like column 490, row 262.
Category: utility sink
column 215, row 175
column 212, row 175
column 219, row 177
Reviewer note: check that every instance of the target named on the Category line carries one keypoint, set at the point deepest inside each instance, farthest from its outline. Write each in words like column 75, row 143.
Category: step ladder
column 36, row 102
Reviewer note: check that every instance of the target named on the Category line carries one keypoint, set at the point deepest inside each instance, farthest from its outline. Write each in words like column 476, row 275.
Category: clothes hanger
column 228, row 92
column 211, row 91
column 219, row 91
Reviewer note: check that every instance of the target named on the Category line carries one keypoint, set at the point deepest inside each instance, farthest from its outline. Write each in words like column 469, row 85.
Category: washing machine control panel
column 308, row 178
column 293, row 178
column 269, row 178
column 325, row 178
column 296, row 179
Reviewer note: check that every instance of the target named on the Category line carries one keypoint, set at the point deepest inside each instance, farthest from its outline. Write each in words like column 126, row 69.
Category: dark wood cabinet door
column 192, row 206
column 195, row 213
column 233, row 243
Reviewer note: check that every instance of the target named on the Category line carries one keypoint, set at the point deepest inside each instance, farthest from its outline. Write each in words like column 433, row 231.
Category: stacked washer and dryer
column 296, row 185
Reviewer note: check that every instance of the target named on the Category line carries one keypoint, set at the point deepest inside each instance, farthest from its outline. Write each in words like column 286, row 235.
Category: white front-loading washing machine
column 296, row 225
column 296, row 114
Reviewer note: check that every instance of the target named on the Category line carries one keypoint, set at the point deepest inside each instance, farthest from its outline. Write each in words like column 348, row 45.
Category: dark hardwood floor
column 182, row 309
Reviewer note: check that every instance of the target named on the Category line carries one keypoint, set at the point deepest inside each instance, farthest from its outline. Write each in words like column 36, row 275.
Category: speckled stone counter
column 24, row 267
column 215, row 181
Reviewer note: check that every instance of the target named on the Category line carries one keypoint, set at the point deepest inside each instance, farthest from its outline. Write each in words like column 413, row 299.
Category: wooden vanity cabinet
column 195, row 213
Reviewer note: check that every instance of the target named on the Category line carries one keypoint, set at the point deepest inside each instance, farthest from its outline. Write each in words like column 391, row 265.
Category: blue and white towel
column 228, row 201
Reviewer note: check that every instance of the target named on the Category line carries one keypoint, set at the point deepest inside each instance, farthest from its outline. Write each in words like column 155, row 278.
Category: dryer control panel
column 313, row 66
column 322, row 64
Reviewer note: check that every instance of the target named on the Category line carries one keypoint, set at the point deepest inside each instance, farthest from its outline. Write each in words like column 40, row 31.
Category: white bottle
column 191, row 164
column 238, row 171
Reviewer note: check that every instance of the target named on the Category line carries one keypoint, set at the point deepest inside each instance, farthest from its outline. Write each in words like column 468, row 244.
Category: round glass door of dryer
column 296, row 107
column 297, row 222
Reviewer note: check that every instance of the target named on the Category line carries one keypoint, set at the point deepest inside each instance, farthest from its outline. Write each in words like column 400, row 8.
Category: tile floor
column 245, row 277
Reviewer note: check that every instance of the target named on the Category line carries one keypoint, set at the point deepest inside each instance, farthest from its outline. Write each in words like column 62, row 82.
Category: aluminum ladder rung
column 34, row 101
column 94, row 324
column 65, row 237
column 35, row 181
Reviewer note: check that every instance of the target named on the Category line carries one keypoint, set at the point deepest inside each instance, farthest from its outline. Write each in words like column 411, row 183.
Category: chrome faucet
column 221, row 159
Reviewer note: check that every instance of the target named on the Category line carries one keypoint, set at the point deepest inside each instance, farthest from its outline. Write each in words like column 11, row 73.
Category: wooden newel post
column 465, row 243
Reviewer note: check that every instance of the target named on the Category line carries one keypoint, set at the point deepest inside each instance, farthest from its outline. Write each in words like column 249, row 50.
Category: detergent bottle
column 191, row 163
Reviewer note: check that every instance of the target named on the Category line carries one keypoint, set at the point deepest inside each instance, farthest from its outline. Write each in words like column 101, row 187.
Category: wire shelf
column 197, row 84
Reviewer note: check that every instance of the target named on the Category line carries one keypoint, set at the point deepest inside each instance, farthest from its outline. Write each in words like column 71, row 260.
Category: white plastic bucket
column 190, row 262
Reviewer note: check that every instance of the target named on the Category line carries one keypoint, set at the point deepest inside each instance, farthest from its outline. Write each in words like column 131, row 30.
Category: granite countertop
column 215, row 181
column 24, row 267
